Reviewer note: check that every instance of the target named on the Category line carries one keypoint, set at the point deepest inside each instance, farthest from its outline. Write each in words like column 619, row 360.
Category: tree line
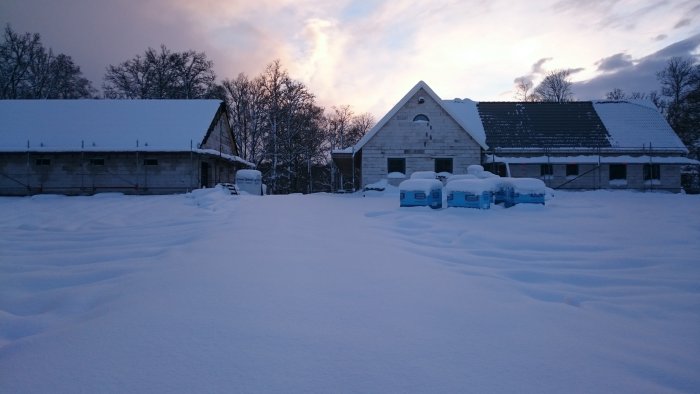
column 277, row 123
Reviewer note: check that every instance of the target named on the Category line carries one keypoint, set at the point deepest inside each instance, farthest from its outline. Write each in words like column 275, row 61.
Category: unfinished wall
column 420, row 143
column 592, row 177
column 77, row 173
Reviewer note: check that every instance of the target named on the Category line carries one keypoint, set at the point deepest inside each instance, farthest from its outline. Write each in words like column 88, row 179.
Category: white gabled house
column 574, row 145
column 420, row 133
column 128, row 146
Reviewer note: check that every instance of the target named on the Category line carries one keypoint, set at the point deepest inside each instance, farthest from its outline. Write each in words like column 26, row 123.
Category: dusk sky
column 370, row 53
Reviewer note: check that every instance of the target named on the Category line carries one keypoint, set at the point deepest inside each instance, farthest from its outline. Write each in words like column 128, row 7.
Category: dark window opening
column 618, row 172
column 546, row 170
column 652, row 172
column 204, row 174
column 421, row 118
column 499, row 169
column 97, row 162
column 43, row 162
column 571, row 169
column 396, row 165
column 443, row 165
column 150, row 162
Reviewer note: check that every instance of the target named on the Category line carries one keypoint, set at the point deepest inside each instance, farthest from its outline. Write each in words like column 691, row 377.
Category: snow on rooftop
column 465, row 112
column 633, row 125
column 105, row 124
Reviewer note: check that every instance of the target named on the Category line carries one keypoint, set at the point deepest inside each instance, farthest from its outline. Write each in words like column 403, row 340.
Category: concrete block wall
column 126, row 172
column 420, row 143
column 600, row 178
column 221, row 137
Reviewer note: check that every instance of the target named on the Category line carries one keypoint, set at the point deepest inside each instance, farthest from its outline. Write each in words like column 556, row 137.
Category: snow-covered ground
column 595, row 292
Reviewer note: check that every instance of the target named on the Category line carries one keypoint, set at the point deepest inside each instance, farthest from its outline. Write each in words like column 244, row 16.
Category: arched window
column 421, row 118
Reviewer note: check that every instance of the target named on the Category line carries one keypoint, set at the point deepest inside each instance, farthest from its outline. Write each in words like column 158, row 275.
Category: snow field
column 597, row 292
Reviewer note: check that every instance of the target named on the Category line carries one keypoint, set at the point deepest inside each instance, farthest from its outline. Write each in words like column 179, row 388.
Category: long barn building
column 129, row 146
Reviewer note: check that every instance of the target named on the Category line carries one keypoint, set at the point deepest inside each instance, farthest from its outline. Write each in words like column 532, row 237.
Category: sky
column 368, row 54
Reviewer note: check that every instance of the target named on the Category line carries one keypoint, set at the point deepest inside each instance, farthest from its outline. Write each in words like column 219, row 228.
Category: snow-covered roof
column 121, row 125
column 466, row 114
column 632, row 124
column 462, row 114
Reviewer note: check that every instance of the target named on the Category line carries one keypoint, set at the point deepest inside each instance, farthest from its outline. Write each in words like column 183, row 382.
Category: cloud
column 537, row 67
column 637, row 75
column 614, row 62
column 682, row 22
column 660, row 37
column 536, row 71
column 613, row 14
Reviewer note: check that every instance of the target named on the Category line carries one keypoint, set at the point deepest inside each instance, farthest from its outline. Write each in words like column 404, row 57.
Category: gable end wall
column 419, row 143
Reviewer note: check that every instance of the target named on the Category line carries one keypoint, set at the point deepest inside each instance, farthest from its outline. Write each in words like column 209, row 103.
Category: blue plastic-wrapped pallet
column 469, row 200
column 469, row 193
column 527, row 191
column 420, row 193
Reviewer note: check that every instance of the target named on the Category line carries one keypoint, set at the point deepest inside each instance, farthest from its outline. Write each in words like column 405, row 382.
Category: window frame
column 652, row 172
column 444, row 160
column 546, row 170
column 401, row 160
column 573, row 170
column 422, row 118
column 619, row 171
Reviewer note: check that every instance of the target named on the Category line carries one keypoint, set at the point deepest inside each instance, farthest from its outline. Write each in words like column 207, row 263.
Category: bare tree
column 556, row 87
column 161, row 75
column 245, row 101
column 523, row 90
column 339, row 122
column 615, row 95
column 273, row 79
column 361, row 124
column 677, row 78
column 638, row 96
column 680, row 83
column 29, row 71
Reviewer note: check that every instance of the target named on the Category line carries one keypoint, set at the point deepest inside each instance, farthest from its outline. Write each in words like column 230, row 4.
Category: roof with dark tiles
column 542, row 125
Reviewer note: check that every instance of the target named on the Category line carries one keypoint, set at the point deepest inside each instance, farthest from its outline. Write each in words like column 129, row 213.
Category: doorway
column 204, row 175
